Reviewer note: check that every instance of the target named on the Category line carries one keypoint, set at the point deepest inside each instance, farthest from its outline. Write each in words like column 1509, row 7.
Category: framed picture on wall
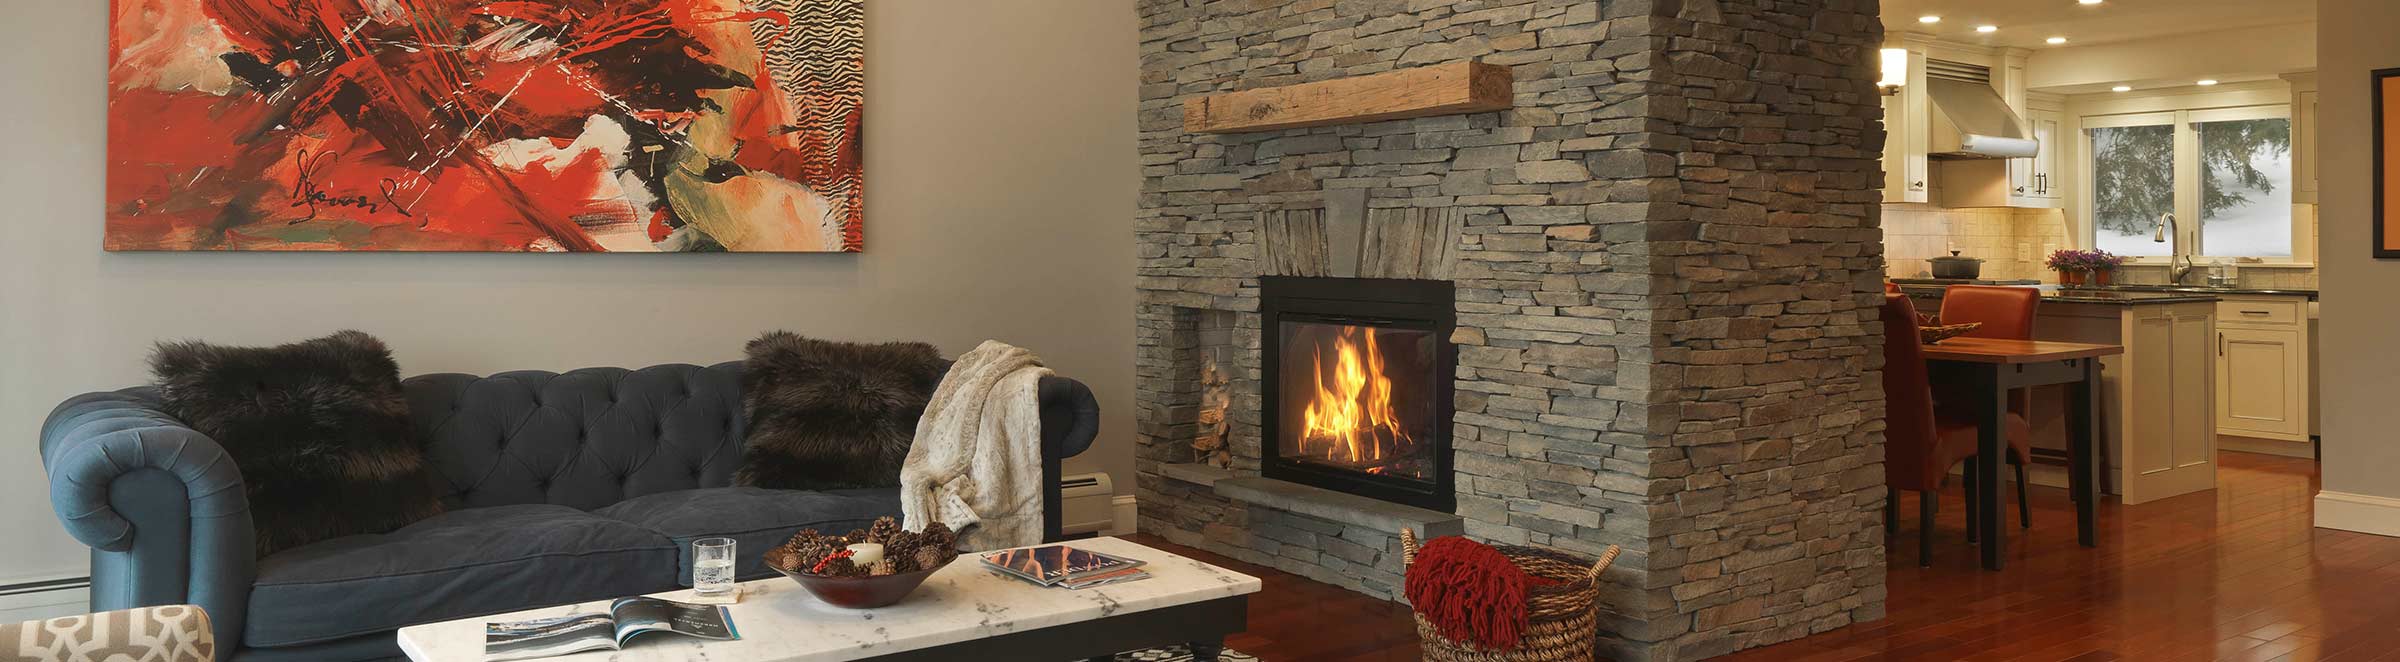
column 2387, row 173
column 679, row 126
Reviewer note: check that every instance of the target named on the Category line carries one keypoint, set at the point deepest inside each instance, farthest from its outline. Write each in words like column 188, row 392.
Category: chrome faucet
column 2179, row 263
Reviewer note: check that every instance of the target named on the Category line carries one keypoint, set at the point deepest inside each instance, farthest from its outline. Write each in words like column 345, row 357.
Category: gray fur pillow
column 832, row 415
column 319, row 428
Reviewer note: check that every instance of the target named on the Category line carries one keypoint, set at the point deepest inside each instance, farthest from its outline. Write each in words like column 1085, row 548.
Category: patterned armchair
column 174, row 633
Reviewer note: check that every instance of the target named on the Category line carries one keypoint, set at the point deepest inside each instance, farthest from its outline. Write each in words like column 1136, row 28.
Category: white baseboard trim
column 1126, row 522
column 43, row 603
column 2362, row 513
column 2286, row 448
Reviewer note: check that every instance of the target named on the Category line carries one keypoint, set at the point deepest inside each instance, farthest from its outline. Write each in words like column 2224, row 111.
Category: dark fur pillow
column 830, row 415
column 319, row 428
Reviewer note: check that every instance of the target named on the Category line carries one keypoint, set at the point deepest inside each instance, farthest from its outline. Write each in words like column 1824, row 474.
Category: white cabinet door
column 2044, row 184
column 2170, row 432
column 2257, row 391
column 2033, row 182
column 1906, row 175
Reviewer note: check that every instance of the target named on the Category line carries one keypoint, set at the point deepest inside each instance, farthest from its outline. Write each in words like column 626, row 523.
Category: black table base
column 1991, row 383
column 1203, row 625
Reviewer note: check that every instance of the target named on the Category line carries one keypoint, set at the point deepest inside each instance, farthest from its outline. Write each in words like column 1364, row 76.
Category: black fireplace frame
column 1381, row 302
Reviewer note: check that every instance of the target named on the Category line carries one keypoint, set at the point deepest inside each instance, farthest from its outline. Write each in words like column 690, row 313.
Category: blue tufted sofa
column 561, row 488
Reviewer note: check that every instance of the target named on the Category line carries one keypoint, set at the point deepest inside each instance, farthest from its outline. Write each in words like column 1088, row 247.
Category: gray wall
column 1000, row 173
column 2360, row 370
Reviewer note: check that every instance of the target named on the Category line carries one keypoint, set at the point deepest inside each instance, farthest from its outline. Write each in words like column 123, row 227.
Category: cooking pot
column 1954, row 266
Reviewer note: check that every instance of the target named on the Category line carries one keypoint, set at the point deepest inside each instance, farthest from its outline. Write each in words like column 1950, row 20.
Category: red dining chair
column 1920, row 444
column 2007, row 314
column 1890, row 287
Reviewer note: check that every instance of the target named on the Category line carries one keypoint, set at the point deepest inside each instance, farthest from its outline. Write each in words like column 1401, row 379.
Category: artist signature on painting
column 307, row 193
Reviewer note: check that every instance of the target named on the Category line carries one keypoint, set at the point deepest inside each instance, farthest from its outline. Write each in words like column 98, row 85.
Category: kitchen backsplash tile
column 2012, row 242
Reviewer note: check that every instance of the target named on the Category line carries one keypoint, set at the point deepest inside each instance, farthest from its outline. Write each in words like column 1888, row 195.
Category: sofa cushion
column 832, row 415
column 757, row 519
column 319, row 428
column 455, row 565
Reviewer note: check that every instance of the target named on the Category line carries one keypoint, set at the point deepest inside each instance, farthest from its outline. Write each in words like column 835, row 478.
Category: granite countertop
column 2112, row 297
column 2123, row 298
column 2191, row 289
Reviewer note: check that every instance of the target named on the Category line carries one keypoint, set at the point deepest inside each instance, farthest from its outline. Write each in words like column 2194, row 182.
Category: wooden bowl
column 862, row 592
column 1937, row 333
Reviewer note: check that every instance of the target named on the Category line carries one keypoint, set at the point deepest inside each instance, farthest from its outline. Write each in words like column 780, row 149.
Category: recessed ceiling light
column 2121, row 88
column 2087, row 2
column 2056, row 40
column 2208, row 81
column 1929, row 19
column 1987, row 28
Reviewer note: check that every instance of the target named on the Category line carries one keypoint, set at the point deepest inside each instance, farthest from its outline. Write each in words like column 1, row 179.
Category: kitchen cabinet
column 1907, row 175
column 2262, row 374
column 2158, row 401
column 2033, row 182
column 2041, row 176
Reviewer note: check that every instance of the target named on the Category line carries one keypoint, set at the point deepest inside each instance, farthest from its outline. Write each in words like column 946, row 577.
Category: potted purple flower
column 2093, row 267
column 2104, row 266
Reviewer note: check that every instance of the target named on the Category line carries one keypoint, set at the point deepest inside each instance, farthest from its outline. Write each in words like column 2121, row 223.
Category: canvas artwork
column 485, row 125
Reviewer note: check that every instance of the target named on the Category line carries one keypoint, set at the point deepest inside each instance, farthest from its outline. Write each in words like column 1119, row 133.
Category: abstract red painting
column 485, row 125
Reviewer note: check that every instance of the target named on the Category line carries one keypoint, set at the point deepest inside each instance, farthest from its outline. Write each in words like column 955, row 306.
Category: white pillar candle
column 866, row 553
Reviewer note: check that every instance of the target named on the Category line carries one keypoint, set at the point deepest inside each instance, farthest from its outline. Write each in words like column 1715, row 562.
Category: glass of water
column 712, row 566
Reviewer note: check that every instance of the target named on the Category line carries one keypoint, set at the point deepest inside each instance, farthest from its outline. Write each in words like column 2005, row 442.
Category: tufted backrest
column 583, row 439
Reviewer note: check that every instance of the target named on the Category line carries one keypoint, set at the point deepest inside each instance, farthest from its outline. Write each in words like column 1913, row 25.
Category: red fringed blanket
column 1470, row 592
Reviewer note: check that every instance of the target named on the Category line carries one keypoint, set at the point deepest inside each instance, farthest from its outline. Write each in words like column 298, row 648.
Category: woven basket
column 1561, row 619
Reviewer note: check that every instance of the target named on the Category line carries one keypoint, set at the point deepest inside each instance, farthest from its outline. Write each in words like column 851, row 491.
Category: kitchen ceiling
column 2028, row 23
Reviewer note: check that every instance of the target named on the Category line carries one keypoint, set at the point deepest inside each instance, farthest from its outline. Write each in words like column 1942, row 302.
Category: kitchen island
column 2158, row 416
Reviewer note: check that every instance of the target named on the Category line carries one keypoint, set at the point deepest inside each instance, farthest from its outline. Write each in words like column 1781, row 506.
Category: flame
column 1351, row 417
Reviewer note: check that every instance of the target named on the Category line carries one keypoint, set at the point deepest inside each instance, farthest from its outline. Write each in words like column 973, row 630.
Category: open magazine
column 625, row 619
column 1061, row 565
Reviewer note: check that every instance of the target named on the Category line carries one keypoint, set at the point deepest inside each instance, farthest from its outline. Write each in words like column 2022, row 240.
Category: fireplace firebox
column 1357, row 390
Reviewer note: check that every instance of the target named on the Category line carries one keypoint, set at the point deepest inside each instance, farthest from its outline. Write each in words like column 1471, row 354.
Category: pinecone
column 842, row 567
column 938, row 534
column 784, row 558
column 883, row 530
column 904, row 548
column 883, row 567
column 931, row 558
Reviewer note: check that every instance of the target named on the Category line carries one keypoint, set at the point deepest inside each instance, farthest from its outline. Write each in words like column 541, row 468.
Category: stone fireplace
column 1660, row 264
column 1358, row 395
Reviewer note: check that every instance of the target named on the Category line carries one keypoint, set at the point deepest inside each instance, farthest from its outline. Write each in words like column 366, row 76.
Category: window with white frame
column 2223, row 174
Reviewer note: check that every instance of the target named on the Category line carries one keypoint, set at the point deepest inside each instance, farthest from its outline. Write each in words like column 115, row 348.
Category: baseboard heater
column 1090, row 503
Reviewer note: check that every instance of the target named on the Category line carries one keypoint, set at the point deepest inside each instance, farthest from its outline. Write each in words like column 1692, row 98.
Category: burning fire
column 1351, row 418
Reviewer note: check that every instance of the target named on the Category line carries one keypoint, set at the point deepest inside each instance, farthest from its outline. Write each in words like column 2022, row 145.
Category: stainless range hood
column 1970, row 121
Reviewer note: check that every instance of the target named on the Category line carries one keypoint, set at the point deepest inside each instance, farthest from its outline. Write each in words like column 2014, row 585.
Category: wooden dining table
column 1989, row 369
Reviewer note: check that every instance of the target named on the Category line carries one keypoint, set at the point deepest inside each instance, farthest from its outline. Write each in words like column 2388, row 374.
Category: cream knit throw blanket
column 976, row 463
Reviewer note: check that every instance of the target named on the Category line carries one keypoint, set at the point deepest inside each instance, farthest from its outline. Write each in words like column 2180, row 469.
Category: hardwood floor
column 1296, row 618
column 2238, row 573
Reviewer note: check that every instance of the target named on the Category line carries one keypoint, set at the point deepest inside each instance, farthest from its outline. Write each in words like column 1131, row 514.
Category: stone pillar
column 1666, row 283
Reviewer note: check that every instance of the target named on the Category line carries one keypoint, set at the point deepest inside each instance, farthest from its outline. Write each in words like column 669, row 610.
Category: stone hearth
column 1666, row 260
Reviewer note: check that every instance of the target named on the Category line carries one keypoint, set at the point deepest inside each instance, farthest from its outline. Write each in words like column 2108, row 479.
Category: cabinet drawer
column 2259, row 311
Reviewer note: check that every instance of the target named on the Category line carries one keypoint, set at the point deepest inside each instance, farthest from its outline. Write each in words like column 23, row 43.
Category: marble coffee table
column 963, row 612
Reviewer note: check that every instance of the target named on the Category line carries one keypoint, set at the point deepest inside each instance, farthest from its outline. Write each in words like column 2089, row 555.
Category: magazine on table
column 625, row 619
column 1061, row 565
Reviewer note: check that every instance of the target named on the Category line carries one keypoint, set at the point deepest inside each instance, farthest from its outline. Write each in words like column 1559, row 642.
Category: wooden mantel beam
column 1442, row 89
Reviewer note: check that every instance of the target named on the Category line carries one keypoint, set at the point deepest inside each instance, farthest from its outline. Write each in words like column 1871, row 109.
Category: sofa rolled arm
column 1070, row 420
column 161, row 505
column 1070, row 415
